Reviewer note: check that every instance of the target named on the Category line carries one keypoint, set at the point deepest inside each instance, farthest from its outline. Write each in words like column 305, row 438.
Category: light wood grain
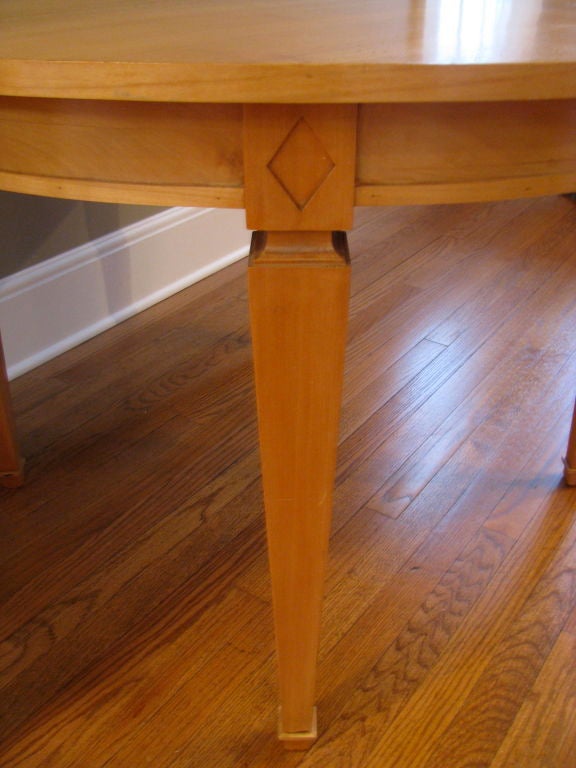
column 114, row 192
column 299, row 166
column 295, row 51
column 299, row 170
column 302, row 281
column 443, row 153
column 184, row 154
column 141, row 102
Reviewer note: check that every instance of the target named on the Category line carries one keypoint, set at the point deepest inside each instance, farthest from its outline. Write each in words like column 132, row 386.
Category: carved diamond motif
column 301, row 142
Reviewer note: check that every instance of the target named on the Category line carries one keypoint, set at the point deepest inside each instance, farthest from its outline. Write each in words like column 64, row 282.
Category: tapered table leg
column 570, row 460
column 11, row 473
column 299, row 285
column 299, row 171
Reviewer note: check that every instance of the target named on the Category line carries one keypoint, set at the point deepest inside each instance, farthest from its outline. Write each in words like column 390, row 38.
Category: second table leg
column 570, row 460
column 11, row 474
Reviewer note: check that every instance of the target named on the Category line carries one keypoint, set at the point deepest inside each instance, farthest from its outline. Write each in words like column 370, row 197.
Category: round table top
column 289, row 51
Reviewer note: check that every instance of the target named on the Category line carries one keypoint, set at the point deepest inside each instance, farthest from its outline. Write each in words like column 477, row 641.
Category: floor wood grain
column 135, row 604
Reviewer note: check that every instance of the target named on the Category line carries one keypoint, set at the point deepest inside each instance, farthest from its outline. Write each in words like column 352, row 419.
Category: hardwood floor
column 136, row 620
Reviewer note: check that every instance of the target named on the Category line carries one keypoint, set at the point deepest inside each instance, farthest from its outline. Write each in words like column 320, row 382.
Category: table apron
column 193, row 154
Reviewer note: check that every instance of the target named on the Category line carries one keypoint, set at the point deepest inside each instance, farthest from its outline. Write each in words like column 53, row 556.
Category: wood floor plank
column 544, row 731
column 121, row 693
column 88, row 509
column 434, row 416
column 493, row 704
column 418, row 733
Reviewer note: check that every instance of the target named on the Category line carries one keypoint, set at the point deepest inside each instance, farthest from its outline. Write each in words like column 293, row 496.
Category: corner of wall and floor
column 52, row 306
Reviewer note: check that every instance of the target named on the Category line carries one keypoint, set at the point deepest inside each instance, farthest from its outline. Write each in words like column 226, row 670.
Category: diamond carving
column 301, row 142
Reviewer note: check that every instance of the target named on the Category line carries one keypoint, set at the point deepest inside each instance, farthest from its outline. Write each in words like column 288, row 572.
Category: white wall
column 33, row 229
column 72, row 270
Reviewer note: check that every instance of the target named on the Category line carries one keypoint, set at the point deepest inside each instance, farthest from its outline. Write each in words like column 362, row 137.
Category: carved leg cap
column 569, row 474
column 299, row 740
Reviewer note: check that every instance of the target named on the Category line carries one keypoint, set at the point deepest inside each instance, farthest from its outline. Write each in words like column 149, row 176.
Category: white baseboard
column 53, row 306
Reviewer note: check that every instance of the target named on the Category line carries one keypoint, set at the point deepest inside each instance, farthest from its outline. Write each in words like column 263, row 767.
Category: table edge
column 296, row 83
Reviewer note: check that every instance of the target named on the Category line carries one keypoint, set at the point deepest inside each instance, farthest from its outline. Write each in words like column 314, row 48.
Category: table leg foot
column 299, row 740
column 570, row 458
column 569, row 474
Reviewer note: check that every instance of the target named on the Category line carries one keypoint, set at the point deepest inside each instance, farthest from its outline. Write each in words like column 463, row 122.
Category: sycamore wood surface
column 289, row 51
column 372, row 102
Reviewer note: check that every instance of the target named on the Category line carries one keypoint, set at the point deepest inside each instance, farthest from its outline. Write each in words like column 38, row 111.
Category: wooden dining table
column 296, row 111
